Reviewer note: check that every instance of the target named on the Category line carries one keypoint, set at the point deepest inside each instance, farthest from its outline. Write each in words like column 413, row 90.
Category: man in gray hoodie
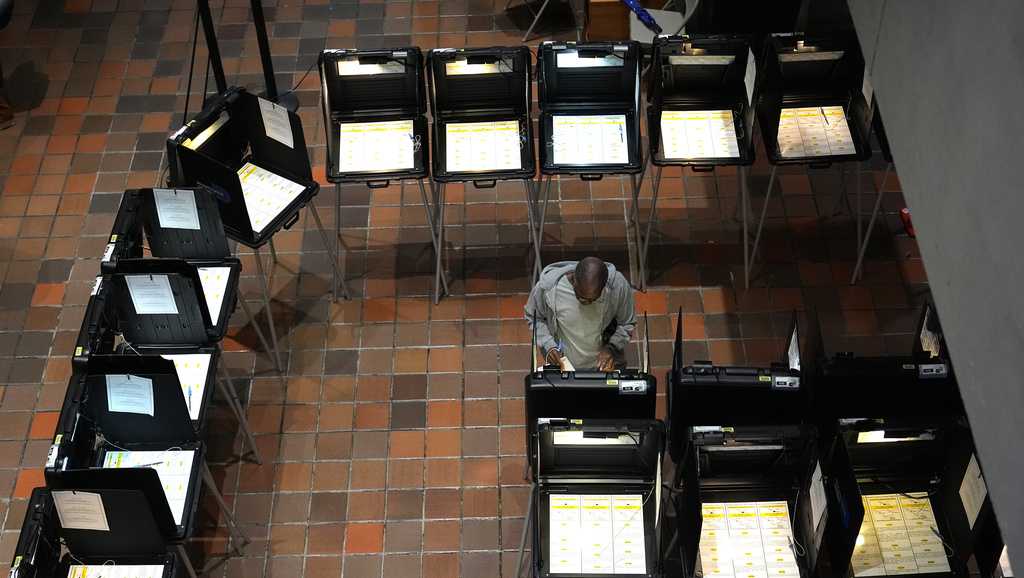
column 584, row 313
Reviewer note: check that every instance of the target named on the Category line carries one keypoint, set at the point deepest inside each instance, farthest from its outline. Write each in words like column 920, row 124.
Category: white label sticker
column 1004, row 564
column 108, row 252
column 276, row 123
column 96, row 285
column 176, row 209
column 750, row 76
column 151, row 294
column 51, row 456
column 80, row 510
column 129, row 394
column 818, row 500
column 973, row 490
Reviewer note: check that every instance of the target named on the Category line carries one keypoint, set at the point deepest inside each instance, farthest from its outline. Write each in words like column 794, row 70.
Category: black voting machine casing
column 461, row 96
column 597, row 469
column 137, row 224
column 38, row 551
column 87, row 428
column 701, row 72
column 803, row 71
column 590, row 90
column 385, row 85
column 111, row 306
column 213, row 159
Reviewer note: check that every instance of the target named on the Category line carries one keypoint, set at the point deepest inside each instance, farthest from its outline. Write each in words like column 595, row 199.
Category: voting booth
column 110, row 533
column 252, row 153
column 700, row 111
column 480, row 101
column 181, row 224
column 587, row 393
column 166, row 318
column 375, row 116
column 589, row 117
column 703, row 391
column 897, row 424
column 596, row 501
column 131, row 414
column 811, row 110
column 750, row 497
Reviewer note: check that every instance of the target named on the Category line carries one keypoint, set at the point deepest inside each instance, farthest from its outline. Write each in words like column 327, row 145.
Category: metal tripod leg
column 186, row 561
column 330, row 251
column 228, row 390
column 439, row 206
column 526, row 527
column 745, row 209
column 259, row 331
column 273, row 252
column 337, row 238
column 433, row 231
column 536, row 19
column 233, row 528
column 537, row 221
column 274, row 351
column 641, row 266
column 750, row 253
column 645, row 240
column 863, row 240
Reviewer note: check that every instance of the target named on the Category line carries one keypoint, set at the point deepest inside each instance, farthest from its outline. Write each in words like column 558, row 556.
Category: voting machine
column 109, row 533
column 700, row 99
column 918, row 383
column 252, row 153
column 924, row 503
column 180, row 223
column 130, row 412
column 596, row 498
column 812, row 108
column 589, row 108
column 706, row 394
column 375, row 113
column 480, row 101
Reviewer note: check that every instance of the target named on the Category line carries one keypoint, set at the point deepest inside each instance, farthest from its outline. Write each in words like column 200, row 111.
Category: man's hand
column 553, row 357
column 605, row 359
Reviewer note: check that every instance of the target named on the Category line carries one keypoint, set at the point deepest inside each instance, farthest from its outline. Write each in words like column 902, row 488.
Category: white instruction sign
column 176, row 209
column 973, row 490
column 129, row 394
column 151, row 294
column 80, row 510
column 276, row 122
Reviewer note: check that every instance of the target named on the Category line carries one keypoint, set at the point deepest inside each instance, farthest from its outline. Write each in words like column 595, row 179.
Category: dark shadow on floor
column 26, row 87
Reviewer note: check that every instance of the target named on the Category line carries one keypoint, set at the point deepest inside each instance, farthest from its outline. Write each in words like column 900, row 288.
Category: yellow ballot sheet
column 814, row 131
column 266, row 194
column 699, row 134
column 747, row 540
column 376, row 146
column 174, row 467
column 590, row 140
column 192, row 370
column 596, row 534
column 472, row 147
column 115, row 571
column 899, row 535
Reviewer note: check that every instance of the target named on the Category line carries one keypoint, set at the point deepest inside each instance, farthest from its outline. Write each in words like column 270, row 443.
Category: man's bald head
column 589, row 279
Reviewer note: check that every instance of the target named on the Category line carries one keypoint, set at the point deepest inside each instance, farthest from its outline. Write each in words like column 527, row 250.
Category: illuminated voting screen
column 266, row 194
column 814, row 131
column 699, row 134
column 597, row 534
column 747, row 540
column 899, row 535
column 376, row 146
column 482, row 146
column 173, row 467
column 590, row 140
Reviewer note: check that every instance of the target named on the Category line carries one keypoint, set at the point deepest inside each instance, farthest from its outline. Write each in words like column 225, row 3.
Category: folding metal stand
column 239, row 537
column 864, row 235
column 537, row 15
column 434, row 207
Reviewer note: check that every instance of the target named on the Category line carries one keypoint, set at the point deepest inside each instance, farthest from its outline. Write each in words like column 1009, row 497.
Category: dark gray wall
column 949, row 78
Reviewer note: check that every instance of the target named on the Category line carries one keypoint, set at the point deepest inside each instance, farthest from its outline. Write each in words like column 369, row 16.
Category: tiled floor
column 396, row 448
